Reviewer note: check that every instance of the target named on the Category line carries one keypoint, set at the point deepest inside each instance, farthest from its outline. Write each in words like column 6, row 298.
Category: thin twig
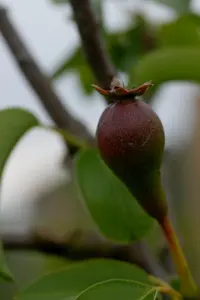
column 92, row 42
column 39, row 82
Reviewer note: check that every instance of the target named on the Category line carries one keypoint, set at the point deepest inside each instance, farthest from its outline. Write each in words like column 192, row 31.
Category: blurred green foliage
column 169, row 64
column 180, row 6
column 134, row 50
column 125, row 49
column 184, row 31
column 59, row 1
column 25, row 267
column 14, row 123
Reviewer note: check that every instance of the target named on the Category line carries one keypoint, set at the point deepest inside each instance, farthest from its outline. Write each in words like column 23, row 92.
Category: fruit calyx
column 118, row 91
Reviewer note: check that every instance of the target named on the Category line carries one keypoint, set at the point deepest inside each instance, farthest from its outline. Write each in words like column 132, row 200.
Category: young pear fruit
column 131, row 140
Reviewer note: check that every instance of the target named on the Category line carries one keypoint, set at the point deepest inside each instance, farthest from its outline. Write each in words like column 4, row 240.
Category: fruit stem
column 187, row 285
column 165, row 288
column 169, row 291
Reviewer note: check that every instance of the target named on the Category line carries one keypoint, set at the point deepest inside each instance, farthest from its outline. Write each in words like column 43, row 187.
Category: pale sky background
column 49, row 33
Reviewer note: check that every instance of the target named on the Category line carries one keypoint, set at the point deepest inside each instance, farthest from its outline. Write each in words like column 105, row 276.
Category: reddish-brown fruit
column 131, row 140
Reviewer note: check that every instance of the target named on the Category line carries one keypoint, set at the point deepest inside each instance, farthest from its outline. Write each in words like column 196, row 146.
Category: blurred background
column 37, row 190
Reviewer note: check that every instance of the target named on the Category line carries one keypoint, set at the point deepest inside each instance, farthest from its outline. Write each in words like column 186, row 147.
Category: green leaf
column 86, row 78
column 127, row 46
column 78, row 64
column 14, row 123
column 67, row 283
column 169, row 64
column 69, row 63
column 182, row 32
column 118, row 289
column 181, row 6
column 113, row 208
column 4, row 271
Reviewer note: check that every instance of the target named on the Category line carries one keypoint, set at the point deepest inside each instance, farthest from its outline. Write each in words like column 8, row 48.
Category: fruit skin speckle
column 131, row 141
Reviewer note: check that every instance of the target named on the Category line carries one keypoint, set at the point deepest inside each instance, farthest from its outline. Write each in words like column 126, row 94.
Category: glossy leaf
column 4, row 270
column 118, row 289
column 14, row 123
column 115, row 211
column 169, row 64
column 68, row 283
column 182, row 32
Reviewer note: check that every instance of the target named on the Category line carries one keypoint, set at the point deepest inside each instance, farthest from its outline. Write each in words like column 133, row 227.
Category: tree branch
column 90, row 246
column 39, row 82
column 92, row 42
